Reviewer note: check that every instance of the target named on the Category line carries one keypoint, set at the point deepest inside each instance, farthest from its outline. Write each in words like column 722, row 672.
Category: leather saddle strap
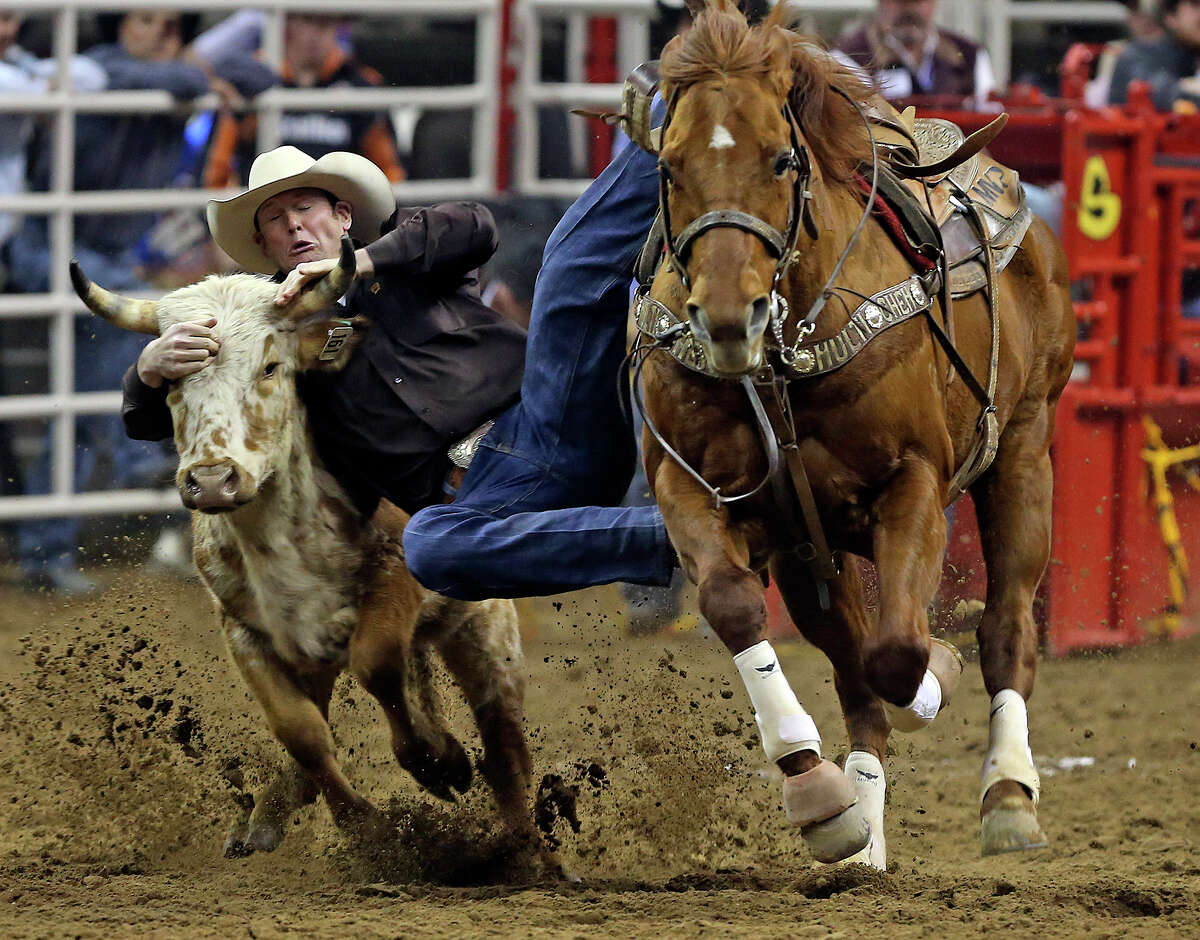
column 731, row 218
column 815, row 552
column 966, row 150
column 987, row 431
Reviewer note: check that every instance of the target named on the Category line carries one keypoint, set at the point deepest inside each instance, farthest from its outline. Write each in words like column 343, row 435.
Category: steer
column 305, row 585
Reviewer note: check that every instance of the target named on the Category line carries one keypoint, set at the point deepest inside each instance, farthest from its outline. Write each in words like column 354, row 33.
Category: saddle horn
column 140, row 316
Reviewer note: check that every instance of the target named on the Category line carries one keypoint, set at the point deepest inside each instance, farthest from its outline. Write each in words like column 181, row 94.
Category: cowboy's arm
column 144, row 409
column 446, row 240
column 182, row 349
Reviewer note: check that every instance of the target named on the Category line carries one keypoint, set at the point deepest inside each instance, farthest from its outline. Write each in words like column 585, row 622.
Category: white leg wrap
column 921, row 710
column 866, row 773
column 1009, row 757
column 783, row 724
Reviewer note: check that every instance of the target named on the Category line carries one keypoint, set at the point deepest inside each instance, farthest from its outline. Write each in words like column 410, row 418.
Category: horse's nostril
column 698, row 318
column 760, row 312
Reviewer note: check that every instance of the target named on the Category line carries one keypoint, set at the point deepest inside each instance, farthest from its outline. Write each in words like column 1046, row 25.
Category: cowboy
column 436, row 362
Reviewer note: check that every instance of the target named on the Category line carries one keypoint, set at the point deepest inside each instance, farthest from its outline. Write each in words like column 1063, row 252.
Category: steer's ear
column 326, row 342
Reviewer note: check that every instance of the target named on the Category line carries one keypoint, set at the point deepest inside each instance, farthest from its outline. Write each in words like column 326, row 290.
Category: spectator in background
column 23, row 74
column 313, row 58
column 1169, row 63
column 146, row 50
column 906, row 54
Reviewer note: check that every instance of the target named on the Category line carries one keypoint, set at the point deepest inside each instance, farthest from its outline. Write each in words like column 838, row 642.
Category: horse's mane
column 722, row 45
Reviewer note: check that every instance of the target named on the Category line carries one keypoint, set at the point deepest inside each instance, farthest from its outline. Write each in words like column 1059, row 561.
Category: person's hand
column 182, row 349
column 308, row 271
column 230, row 97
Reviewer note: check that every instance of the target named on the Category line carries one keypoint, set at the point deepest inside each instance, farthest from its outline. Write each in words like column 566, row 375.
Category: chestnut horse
column 763, row 124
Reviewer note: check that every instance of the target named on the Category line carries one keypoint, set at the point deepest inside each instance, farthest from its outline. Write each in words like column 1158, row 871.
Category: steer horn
column 141, row 316
column 330, row 289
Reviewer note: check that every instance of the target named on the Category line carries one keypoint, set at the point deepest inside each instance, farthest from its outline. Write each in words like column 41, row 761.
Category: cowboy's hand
column 301, row 276
column 182, row 349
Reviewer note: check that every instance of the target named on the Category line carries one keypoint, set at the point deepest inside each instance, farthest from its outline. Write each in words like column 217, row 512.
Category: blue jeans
column 537, row 512
column 102, row 354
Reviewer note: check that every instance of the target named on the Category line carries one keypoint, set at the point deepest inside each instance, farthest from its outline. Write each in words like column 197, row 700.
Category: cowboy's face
column 301, row 225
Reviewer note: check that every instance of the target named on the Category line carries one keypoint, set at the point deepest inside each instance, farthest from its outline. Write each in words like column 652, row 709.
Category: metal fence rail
column 633, row 45
column 61, row 204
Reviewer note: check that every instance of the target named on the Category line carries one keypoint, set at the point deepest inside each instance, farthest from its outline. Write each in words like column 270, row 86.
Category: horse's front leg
column 913, row 680
column 817, row 796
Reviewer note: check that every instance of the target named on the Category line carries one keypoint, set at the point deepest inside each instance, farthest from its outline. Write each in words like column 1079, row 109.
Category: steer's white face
column 233, row 420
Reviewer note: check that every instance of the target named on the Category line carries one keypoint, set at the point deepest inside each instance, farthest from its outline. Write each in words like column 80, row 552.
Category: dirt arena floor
column 128, row 746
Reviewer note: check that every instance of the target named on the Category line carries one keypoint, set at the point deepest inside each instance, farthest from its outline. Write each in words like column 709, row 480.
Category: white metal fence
column 61, row 204
column 633, row 45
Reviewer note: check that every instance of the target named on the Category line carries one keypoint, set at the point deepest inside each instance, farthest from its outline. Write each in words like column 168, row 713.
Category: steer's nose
column 211, row 488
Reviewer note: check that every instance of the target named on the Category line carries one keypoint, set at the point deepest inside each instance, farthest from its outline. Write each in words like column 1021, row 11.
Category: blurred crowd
column 190, row 55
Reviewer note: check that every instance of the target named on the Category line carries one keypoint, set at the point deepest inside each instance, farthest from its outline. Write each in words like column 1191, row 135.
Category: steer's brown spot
column 220, row 438
column 258, row 428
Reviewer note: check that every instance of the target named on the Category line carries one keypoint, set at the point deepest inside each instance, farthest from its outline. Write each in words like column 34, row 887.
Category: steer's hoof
column 439, row 773
column 1010, row 823
column 246, row 838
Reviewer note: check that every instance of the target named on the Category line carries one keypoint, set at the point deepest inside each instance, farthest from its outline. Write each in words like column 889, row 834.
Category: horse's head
column 235, row 419
column 739, row 175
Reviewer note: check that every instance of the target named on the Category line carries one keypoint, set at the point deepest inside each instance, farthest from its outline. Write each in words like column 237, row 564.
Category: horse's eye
column 270, row 369
column 783, row 162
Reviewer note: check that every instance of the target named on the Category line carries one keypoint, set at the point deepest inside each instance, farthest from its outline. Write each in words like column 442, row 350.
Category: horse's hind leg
column 841, row 633
column 816, row 795
column 1013, row 502
column 483, row 652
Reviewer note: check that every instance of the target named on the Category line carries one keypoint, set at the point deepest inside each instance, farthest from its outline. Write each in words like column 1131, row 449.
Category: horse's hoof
column 842, row 837
column 831, row 817
column 946, row 663
column 1011, row 829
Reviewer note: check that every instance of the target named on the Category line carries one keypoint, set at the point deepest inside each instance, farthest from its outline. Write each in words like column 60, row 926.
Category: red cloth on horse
column 890, row 220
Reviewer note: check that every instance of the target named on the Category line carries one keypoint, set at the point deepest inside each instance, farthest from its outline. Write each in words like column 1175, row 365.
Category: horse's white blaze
column 721, row 138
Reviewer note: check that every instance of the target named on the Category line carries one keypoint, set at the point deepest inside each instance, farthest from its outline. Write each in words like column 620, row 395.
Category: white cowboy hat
column 348, row 176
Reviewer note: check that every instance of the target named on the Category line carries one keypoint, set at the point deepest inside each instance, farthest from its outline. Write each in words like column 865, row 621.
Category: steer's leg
column 484, row 653
column 395, row 669
column 1012, row 502
column 299, row 723
column 289, row 790
column 817, row 796
column 841, row 633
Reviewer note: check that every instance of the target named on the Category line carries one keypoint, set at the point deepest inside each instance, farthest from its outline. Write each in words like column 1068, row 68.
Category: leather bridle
column 780, row 245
